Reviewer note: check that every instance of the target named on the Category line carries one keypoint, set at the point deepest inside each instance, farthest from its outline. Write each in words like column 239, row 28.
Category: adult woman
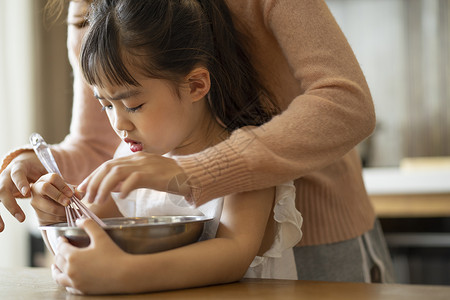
column 305, row 62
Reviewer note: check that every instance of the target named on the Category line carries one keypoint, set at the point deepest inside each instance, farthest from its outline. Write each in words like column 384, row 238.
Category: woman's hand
column 15, row 182
column 140, row 170
column 49, row 196
column 92, row 270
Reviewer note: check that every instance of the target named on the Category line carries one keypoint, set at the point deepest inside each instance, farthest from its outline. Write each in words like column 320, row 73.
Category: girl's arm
column 49, row 195
column 220, row 260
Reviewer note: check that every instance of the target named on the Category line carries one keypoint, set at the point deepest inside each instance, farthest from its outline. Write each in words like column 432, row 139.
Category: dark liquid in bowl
column 79, row 241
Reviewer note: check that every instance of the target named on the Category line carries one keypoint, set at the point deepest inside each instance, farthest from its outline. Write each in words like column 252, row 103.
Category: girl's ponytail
column 237, row 96
column 167, row 39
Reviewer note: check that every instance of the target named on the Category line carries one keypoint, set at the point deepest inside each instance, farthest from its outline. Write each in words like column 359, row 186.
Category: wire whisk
column 76, row 209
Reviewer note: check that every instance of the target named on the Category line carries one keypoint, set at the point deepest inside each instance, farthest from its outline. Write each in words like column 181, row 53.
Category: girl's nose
column 122, row 123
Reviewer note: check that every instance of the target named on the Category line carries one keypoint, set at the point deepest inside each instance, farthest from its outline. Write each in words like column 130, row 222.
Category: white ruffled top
column 277, row 262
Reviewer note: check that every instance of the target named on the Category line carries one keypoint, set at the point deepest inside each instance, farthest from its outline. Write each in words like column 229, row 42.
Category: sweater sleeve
column 333, row 113
column 91, row 140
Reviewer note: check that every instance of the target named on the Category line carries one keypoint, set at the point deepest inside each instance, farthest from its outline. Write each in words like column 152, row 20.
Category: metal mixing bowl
column 135, row 235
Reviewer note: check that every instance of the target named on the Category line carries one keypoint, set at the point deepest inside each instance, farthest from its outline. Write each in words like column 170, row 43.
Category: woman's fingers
column 112, row 182
column 83, row 185
column 19, row 178
column 15, row 181
column 7, row 191
column 130, row 184
column 23, row 170
column 105, row 179
column 91, row 184
column 140, row 170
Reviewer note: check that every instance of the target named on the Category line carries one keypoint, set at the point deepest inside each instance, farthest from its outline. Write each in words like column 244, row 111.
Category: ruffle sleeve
column 289, row 222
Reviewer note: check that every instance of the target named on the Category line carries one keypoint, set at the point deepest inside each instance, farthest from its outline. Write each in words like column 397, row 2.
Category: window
column 403, row 48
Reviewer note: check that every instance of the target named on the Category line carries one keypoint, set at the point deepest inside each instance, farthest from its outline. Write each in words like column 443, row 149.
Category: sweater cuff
column 217, row 171
column 13, row 154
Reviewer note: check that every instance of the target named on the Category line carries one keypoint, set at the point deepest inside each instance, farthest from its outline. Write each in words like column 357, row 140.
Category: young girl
column 173, row 80
column 304, row 59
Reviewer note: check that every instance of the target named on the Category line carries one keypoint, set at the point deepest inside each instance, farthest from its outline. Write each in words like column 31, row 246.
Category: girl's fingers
column 59, row 183
column 49, row 212
column 93, row 230
column 56, row 191
column 73, row 291
column 60, row 278
column 60, row 262
column 63, row 251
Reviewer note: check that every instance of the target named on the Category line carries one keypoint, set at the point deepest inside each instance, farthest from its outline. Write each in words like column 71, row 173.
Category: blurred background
column 404, row 50
column 35, row 96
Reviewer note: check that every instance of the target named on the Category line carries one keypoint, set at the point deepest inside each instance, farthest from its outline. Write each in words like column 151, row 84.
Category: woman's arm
column 91, row 140
column 328, row 109
column 315, row 75
column 223, row 259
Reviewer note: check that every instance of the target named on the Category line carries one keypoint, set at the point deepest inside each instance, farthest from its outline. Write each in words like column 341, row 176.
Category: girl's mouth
column 134, row 146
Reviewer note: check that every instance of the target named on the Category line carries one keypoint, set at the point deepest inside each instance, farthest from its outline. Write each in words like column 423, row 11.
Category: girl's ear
column 199, row 83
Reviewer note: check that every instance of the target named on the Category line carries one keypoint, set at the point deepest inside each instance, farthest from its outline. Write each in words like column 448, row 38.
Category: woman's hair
column 167, row 39
column 54, row 8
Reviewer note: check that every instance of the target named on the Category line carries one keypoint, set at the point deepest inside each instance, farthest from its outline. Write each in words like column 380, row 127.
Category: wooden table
column 400, row 193
column 36, row 283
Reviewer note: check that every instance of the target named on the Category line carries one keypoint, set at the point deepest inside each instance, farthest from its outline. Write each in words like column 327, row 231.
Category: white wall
column 403, row 49
column 16, row 105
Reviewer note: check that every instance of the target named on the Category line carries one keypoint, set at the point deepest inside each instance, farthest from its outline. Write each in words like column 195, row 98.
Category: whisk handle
column 44, row 154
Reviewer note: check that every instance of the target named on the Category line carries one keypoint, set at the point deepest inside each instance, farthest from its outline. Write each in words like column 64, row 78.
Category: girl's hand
column 92, row 270
column 140, row 170
column 49, row 196
column 15, row 181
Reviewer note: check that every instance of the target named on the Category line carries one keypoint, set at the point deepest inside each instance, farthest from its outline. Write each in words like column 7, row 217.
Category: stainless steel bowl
column 135, row 235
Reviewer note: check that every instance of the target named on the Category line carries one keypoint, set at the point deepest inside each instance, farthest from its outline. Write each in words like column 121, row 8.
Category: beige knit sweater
column 306, row 62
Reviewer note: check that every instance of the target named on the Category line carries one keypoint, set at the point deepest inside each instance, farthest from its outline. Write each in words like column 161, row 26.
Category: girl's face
column 154, row 118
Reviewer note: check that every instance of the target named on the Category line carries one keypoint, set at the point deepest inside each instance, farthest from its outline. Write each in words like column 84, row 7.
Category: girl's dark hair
column 167, row 39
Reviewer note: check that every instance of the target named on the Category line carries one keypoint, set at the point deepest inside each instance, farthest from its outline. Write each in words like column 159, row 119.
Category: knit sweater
column 307, row 64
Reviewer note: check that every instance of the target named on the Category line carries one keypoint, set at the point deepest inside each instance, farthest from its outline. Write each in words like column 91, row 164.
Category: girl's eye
column 106, row 107
column 133, row 109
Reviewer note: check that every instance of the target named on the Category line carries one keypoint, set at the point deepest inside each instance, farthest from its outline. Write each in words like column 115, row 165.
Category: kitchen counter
column 36, row 283
column 397, row 192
